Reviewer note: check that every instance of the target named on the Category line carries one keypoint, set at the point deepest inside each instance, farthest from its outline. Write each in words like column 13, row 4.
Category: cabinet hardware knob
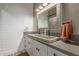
column 37, row 49
column 28, row 42
column 54, row 54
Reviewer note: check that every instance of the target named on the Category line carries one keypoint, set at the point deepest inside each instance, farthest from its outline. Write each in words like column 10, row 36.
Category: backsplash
column 42, row 30
column 55, row 34
column 75, row 38
column 48, row 32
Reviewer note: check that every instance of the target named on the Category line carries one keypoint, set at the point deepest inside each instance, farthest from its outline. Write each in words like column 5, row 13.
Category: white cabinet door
column 28, row 45
column 53, row 52
column 39, row 49
column 34, row 51
column 58, row 53
column 50, row 51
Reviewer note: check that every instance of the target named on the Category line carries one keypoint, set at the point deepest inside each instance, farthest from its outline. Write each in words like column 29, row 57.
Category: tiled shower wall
column 14, row 18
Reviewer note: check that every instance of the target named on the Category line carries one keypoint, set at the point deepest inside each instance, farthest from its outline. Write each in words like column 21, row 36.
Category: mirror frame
column 49, row 7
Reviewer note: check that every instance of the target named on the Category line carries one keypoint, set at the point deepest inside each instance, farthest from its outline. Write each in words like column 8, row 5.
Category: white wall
column 14, row 18
column 71, row 11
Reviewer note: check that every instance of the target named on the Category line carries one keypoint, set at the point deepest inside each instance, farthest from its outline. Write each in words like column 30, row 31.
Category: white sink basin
column 47, row 38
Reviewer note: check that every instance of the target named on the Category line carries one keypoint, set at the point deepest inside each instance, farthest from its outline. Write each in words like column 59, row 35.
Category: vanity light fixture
column 37, row 10
column 40, row 7
column 45, row 4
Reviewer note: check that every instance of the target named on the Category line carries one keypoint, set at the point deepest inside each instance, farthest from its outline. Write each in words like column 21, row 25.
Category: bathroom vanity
column 42, row 48
column 36, row 46
column 46, row 44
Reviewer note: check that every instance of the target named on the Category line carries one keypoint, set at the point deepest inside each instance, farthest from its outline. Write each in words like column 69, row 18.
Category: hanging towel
column 63, row 31
column 67, row 30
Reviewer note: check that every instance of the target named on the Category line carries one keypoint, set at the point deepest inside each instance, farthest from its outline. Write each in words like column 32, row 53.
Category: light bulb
column 45, row 4
column 40, row 7
column 37, row 10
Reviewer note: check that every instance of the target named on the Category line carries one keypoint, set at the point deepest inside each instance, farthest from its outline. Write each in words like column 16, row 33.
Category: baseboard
column 13, row 52
column 7, row 52
column 17, row 53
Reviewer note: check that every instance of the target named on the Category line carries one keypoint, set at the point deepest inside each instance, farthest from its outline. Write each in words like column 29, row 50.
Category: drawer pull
column 54, row 54
column 28, row 42
column 37, row 49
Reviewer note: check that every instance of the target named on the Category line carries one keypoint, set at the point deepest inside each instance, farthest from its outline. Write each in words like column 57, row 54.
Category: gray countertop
column 68, row 48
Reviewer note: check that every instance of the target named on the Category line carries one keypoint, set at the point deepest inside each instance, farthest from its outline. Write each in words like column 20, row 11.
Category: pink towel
column 67, row 30
column 63, row 32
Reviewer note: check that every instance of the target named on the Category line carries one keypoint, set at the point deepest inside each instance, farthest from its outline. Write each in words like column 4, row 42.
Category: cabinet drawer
column 53, row 52
column 58, row 53
column 50, row 51
column 28, row 44
column 39, row 48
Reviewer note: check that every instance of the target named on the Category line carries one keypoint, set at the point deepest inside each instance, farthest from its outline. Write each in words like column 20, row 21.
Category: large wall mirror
column 50, row 19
